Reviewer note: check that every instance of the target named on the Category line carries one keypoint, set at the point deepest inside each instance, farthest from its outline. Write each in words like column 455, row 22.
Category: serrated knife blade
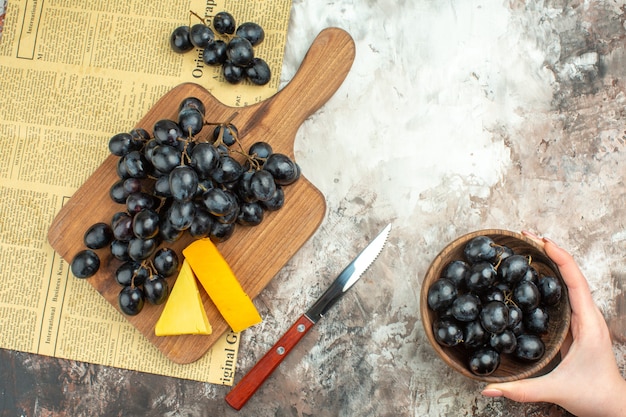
column 249, row 384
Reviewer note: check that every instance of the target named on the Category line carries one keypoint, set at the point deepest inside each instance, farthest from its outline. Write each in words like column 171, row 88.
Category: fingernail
column 492, row 392
column 531, row 234
column 548, row 240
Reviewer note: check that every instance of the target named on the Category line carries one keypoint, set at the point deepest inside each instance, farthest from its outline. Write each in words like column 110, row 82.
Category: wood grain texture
column 255, row 254
column 560, row 315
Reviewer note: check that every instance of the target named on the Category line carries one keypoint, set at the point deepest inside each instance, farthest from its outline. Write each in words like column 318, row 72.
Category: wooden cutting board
column 255, row 253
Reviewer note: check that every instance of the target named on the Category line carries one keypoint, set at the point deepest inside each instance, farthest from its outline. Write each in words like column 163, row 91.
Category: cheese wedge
column 183, row 312
column 220, row 283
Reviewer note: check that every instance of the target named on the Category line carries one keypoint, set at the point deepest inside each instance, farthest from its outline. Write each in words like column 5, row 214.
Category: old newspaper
column 72, row 74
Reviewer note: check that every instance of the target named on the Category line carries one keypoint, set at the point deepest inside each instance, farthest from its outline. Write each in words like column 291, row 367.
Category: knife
column 248, row 385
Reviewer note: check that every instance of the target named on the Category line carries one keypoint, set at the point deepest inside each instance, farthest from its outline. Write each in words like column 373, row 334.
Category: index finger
column 580, row 297
column 577, row 285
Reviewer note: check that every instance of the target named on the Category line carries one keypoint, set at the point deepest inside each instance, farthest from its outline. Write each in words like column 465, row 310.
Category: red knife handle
column 248, row 385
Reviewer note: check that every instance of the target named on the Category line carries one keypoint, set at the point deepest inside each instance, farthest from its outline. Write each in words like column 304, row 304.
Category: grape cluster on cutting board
column 173, row 181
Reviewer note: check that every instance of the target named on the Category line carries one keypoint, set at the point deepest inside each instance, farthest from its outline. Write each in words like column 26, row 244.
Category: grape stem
column 508, row 298
column 254, row 160
column 162, row 201
column 150, row 265
column 185, row 154
column 192, row 13
column 225, row 36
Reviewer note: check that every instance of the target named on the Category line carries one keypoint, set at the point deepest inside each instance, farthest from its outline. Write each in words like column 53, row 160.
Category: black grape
column 204, row 159
column 192, row 103
column 258, row 72
column 227, row 171
column 234, row 74
column 121, row 143
column 200, row 35
column 98, row 236
column 250, row 214
column 215, row 53
column 183, row 181
column 251, row 31
column 227, row 132
column 219, row 202
column 85, row 264
column 123, row 228
column 119, row 250
column 221, row 232
column 131, row 300
column 191, row 121
column 156, row 289
column 141, row 249
column 166, row 262
column 224, row 22
column 262, row 185
column 167, row 132
column 181, row 214
column 179, row 40
column 260, row 151
column 131, row 273
column 165, row 158
column 240, row 51
column 202, row 222
column 284, row 170
column 277, row 201
column 136, row 202
column 146, row 224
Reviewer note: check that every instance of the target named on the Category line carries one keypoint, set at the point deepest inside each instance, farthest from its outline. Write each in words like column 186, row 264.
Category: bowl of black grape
column 495, row 307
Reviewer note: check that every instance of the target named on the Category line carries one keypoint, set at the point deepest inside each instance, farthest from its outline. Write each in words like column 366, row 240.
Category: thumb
column 525, row 390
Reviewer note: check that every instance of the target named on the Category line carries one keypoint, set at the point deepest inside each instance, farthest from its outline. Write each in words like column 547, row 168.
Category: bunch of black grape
column 139, row 278
column 176, row 181
column 234, row 52
column 493, row 302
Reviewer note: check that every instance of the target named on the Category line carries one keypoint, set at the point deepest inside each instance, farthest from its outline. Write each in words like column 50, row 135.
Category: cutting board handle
column 323, row 70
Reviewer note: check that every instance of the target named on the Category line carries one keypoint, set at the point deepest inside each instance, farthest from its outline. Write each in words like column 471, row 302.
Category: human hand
column 587, row 381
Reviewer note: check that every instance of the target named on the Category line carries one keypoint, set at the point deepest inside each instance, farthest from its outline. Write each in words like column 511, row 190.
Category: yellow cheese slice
column 183, row 312
column 220, row 283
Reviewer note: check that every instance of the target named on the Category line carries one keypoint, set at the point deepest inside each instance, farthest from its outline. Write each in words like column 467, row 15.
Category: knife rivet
column 280, row 350
column 300, row 328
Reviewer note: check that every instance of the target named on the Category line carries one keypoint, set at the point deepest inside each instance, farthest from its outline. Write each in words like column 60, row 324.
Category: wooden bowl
column 510, row 368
